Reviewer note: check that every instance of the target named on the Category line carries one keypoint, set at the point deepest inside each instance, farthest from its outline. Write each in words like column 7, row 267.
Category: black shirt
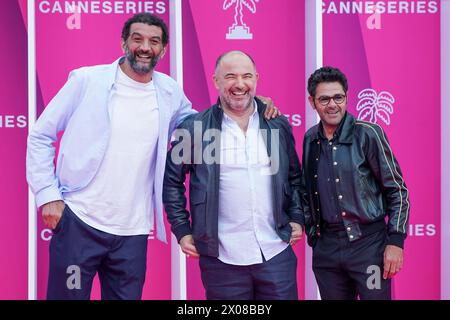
column 326, row 184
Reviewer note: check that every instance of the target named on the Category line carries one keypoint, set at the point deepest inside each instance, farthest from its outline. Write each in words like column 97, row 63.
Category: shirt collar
column 252, row 116
column 336, row 133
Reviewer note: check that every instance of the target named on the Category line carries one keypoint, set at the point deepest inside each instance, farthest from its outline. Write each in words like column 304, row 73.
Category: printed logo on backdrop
column 373, row 106
column 101, row 7
column 376, row 10
column 381, row 7
column 239, row 30
column 9, row 121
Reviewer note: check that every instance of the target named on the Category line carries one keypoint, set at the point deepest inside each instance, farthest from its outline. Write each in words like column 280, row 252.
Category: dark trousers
column 78, row 252
column 347, row 270
column 275, row 279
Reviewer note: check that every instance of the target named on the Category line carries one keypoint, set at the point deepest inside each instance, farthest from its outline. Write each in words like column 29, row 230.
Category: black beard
column 140, row 68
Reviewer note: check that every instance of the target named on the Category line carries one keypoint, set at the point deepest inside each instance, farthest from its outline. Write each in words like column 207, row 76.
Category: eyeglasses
column 337, row 98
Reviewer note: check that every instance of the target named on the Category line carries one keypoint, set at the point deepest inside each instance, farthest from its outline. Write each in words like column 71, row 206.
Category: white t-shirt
column 118, row 200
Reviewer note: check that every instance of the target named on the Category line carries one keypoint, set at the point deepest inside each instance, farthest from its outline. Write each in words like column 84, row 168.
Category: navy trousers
column 275, row 279
column 78, row 252
column 347, row 270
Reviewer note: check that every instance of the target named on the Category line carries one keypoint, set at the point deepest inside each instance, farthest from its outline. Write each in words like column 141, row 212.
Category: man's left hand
column 393, row 261
column 271, row 111
column 296, row 233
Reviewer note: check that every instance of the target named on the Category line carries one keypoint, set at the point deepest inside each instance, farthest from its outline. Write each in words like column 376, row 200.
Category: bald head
column 235, row 79
column 230, row 55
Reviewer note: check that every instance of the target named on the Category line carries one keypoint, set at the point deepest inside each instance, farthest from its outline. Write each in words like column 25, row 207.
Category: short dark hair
column 147, row 18
column 326, row 74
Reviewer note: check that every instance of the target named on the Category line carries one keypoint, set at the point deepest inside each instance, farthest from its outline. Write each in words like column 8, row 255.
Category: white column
column 445, row 149
column 314, row 60
column 178, row 260
column 32, row 219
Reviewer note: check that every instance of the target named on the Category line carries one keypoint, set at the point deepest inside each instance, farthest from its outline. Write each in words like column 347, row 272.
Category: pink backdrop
column 278, row 49
column 13, row 135
column 401, row 57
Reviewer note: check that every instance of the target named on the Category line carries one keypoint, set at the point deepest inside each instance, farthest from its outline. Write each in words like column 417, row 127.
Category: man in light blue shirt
column 105, row 194
column 98, row 201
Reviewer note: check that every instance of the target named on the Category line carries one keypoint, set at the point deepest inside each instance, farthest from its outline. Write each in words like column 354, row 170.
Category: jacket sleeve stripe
column 391, row 164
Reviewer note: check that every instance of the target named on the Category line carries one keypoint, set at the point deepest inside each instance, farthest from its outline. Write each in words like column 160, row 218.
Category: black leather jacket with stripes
column 369, row 182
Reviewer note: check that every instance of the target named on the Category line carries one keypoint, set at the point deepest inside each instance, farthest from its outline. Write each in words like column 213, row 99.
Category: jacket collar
column 112, row 72
column 347, row 129
column 217, row 113
column 261, row 107
column 344, row 131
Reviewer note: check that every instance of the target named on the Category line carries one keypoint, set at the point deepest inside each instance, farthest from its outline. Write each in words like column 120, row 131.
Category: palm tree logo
column 373, row 106
column 239, row 30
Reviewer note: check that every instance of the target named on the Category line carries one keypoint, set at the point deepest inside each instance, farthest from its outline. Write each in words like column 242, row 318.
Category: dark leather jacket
column 368, row 179
column 202, row 220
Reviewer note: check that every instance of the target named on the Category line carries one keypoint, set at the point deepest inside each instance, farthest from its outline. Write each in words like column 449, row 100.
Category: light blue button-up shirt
column 81, row 110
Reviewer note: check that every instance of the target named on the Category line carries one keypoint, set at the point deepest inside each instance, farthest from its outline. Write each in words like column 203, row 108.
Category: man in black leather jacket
column 244, row 191
column 353, row 181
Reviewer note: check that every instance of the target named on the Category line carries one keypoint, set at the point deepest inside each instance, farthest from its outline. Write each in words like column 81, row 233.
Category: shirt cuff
column 396, row 239
column 300, row 219
column 181, row 231
column 47, row 195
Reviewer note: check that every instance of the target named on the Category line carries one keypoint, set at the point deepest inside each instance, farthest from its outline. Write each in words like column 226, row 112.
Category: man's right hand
column 52, row 212
column 188, row 247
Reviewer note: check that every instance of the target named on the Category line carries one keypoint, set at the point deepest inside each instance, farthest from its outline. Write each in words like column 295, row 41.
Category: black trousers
column 78, row 252
column 347, row 270
column 275, row 279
